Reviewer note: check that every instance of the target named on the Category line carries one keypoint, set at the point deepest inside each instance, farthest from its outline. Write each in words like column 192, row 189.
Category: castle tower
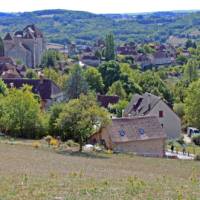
column 27, row 45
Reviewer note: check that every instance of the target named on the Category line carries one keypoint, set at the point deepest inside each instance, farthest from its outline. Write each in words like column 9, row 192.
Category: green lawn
column 27, row 173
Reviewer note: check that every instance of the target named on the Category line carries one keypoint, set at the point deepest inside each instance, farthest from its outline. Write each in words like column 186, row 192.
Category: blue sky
column 100, row 6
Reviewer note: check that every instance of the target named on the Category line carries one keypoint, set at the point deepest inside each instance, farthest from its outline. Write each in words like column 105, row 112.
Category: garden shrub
column 71, row 143
column 196, row 139
column 180, row 140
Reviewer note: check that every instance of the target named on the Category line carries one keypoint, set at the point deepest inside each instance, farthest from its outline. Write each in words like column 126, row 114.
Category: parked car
column 192, row 131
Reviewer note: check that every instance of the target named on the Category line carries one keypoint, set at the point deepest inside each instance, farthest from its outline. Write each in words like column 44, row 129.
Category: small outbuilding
column 140, row 135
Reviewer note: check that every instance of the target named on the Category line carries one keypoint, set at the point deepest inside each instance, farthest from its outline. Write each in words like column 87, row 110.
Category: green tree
column 80, row 117
column 110, row 72
column 181, row 59
column 56, row 76
column 76, row 83
column 22, row 116
column 31, row 74
column 55, row 111
column 1, row 47
column 190, row 70
column 179, row 109
column 119, row 108
column 192, row 105
column 151, row 82
column 129, row 79
column 110, row 47
column 51, row 58
column 117, row 89
column 179, row 90
column 3, row 88
column 94, row 79
column 190, row 44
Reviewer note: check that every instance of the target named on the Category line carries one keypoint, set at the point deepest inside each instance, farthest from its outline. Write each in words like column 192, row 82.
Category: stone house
column 144, row 60
column 139, row 135
column 90, row 60
column 162, row 58
column 151, row 105
column 46, row 89
column 27, row 46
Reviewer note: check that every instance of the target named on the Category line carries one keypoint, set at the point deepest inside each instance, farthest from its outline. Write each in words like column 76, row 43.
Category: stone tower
column 27, row 46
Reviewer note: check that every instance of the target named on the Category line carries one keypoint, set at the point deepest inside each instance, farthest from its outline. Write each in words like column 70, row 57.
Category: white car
column 192, row 131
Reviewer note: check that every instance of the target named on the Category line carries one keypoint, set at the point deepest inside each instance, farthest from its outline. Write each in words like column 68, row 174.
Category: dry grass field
column 27, row 173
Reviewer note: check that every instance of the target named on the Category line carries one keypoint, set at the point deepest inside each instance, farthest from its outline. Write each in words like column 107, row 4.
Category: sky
column 100, row 6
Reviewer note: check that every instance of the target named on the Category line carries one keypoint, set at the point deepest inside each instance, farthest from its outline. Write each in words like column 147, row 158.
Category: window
column 141, row 131
column 122, row 133
column 161, row 114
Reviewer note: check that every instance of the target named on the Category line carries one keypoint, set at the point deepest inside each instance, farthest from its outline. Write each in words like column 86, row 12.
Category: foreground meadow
column 27, row 173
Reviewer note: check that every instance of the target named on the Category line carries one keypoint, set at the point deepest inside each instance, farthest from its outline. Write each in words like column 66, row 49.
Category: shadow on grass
column 92, row 155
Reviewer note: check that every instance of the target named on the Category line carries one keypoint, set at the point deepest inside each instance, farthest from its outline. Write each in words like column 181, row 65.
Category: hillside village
column 99, row 116
column 143, row 110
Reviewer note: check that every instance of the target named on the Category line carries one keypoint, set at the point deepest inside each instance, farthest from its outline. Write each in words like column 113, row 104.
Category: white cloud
column 100, row 6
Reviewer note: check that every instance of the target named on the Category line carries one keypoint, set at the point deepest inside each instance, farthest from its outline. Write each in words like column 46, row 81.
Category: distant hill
column 83, row 27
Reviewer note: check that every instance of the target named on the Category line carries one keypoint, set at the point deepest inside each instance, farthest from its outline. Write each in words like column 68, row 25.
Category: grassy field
column 27, row 173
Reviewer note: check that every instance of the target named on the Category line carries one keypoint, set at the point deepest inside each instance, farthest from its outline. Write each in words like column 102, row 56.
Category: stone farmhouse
column 26, row 45
column 151, row 105
column 141, row 135
column 46, row 89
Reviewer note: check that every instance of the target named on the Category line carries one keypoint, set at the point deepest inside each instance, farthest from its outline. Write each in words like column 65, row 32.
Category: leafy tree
column 1, row 47
column 56, row 76
column 190, row 70
column 98, row 54
column 3, row 88
column 117, row 89
column 76, row 83
column 80, row 116
column 110, row 47
column 119, row 108
column 51, row 58
column 31, row 74
column 129, row 79
column 151, row 82
column 179, row 90
column 110, row 72
column 190, row 44
column 148, row 49
column 179, row 109
column 55, row 111
column 22, row 116
column 192, row 105
column 94, row 79
column 181, row 59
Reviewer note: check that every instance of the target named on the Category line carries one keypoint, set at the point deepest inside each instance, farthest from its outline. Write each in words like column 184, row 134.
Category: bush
column 71, row 143
column 180, row 140
column 196, row 139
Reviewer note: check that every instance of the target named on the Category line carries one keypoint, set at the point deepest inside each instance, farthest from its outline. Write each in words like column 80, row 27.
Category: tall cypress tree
column 1, row 47
column 110, row 47
column 76, row 83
